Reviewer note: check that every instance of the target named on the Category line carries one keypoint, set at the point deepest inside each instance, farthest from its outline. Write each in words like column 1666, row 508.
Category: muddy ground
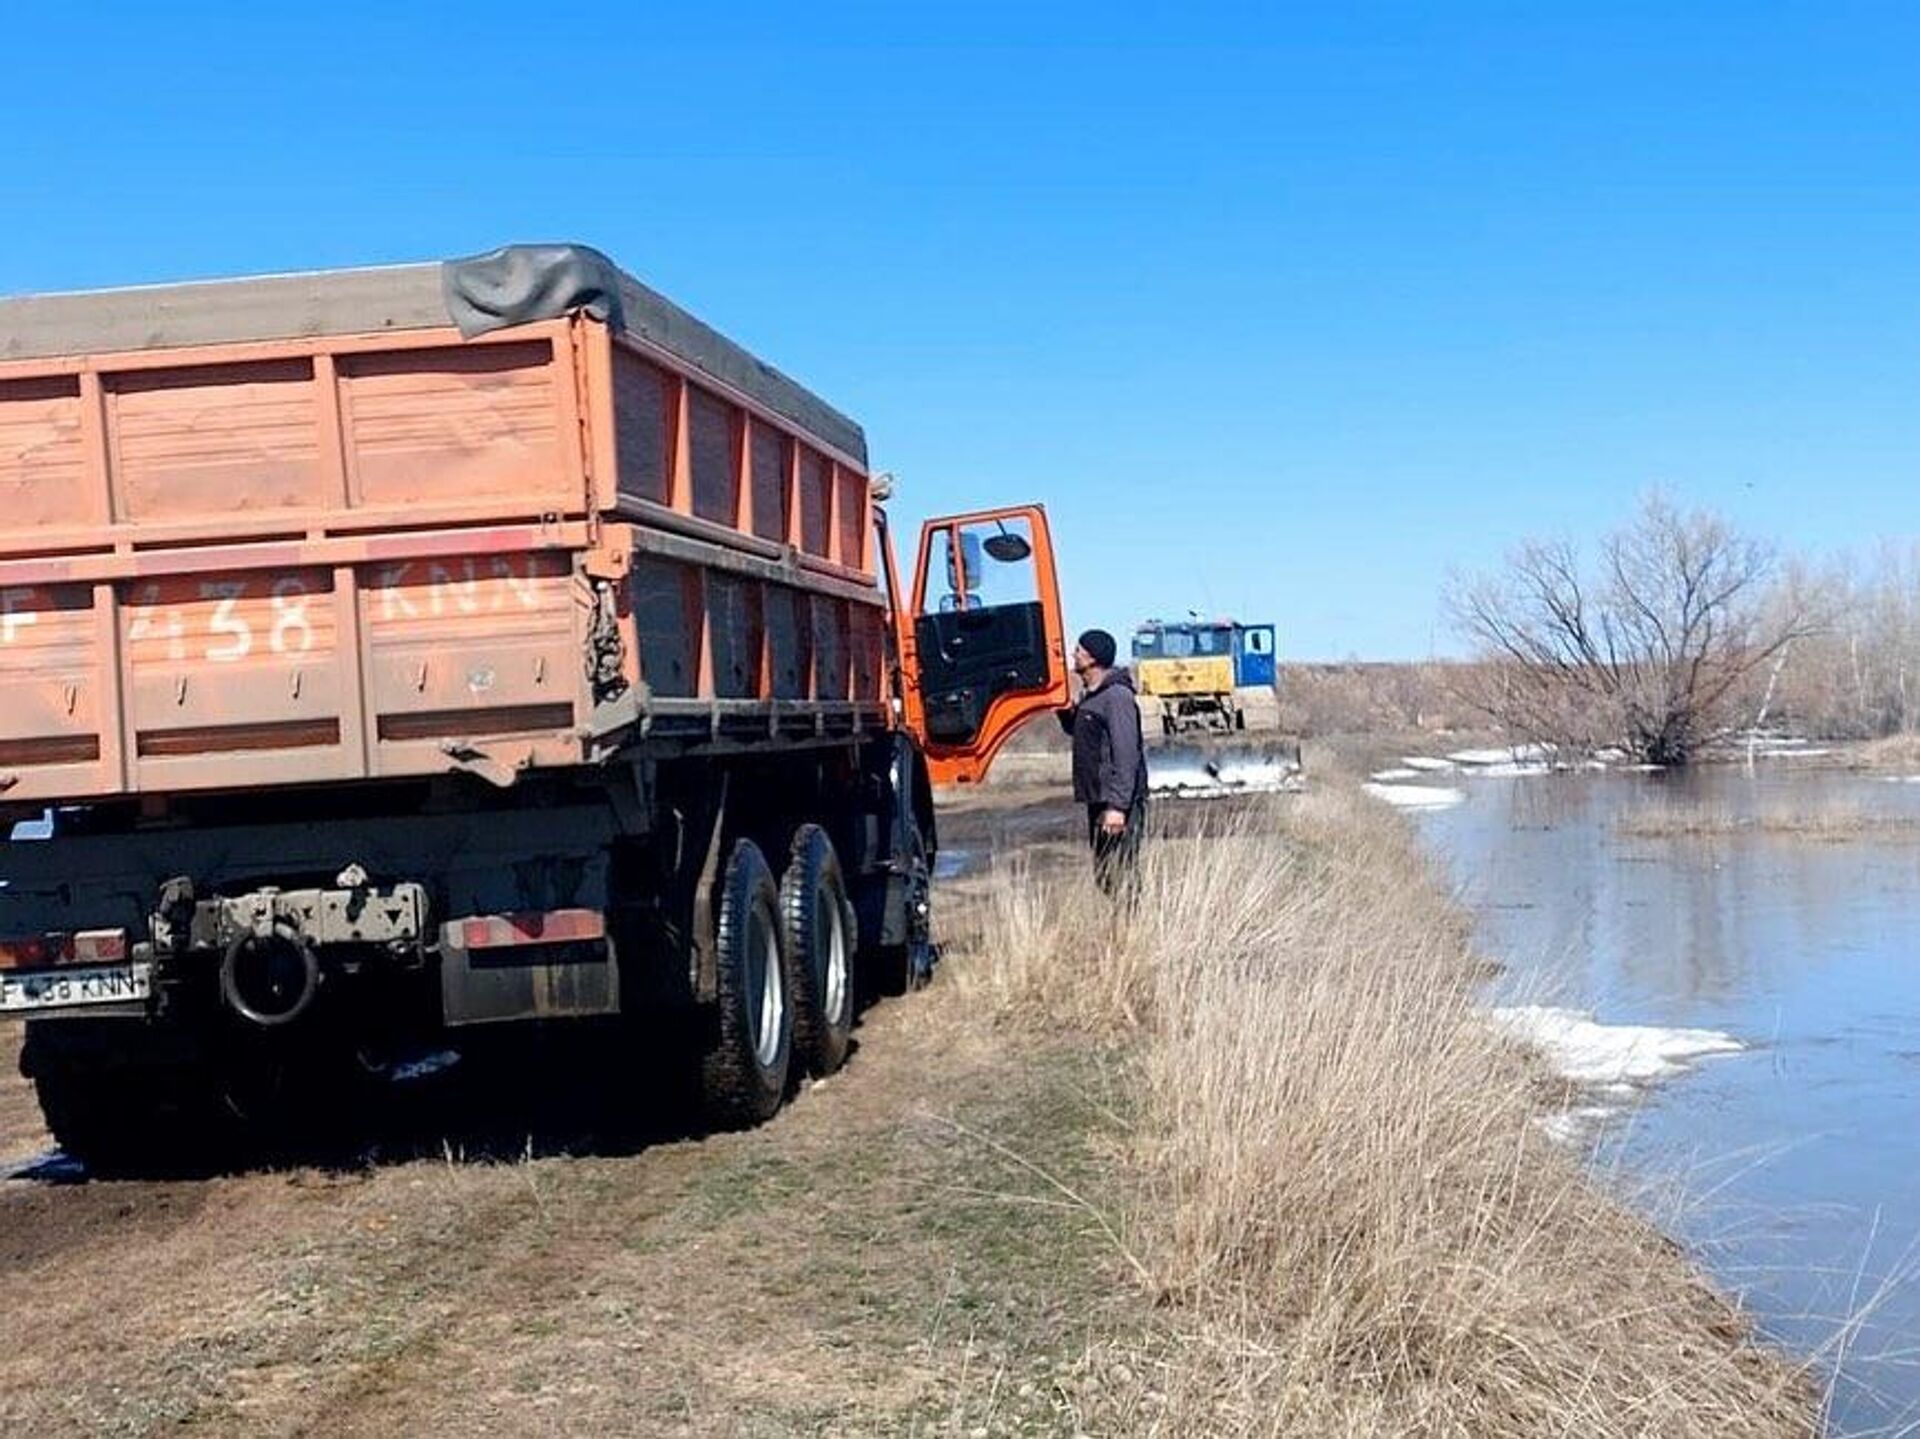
column 892, row 1254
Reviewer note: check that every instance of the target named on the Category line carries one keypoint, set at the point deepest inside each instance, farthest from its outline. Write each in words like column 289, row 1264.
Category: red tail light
column 502, row 931
column 87, row 946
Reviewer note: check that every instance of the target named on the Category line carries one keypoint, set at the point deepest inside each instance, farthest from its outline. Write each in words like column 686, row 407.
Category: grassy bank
column 1327, row 1174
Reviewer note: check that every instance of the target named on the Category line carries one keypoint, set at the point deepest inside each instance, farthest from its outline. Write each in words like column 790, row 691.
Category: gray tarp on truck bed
column 511, row 286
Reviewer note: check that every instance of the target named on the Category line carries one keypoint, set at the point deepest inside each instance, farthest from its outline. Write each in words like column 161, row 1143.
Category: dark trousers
column 1116, row 857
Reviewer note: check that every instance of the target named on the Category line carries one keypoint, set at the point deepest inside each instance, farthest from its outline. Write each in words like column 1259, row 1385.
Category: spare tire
column 743, row 1074
column 817, row 919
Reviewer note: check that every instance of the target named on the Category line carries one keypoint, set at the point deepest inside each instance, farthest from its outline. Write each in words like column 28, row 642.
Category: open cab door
column 981, row 642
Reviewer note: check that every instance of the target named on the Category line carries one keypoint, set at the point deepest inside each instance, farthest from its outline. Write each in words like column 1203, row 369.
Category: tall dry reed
column 1822, row 822
column 1339, row 1187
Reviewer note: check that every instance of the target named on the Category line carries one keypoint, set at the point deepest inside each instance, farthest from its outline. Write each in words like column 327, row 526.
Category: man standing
column 1109, row 759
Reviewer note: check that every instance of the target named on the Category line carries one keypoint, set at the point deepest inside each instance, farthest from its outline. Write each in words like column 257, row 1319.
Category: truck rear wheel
column 132, row 1120
column 897, row 968
column 743, row 1075
column 817, row 918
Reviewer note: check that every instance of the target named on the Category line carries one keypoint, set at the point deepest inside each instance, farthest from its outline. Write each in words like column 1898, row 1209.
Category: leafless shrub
column 1651, row 647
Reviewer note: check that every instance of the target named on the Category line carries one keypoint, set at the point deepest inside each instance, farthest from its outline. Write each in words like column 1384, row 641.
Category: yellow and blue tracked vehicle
column 1206, row 674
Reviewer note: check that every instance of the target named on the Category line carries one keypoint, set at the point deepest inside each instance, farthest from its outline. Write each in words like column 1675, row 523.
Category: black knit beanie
column 1101, row 646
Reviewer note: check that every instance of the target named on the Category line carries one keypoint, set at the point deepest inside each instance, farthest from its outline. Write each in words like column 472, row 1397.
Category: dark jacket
column 1109, row 757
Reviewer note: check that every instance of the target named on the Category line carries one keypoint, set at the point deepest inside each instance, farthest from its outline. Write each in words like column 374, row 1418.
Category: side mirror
column 1007, row 548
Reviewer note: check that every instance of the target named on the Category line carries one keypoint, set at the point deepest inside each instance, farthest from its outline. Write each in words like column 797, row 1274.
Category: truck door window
column 972, row 578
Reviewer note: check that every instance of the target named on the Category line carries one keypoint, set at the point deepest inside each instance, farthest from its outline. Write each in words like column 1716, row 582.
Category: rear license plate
column 75, row 984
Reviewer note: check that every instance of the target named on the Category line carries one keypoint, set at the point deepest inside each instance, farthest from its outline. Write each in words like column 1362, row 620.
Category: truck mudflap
column 548, row 964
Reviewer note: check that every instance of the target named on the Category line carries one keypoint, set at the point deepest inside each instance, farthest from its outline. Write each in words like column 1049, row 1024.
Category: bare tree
column 1649, row 647
column 1860, row 677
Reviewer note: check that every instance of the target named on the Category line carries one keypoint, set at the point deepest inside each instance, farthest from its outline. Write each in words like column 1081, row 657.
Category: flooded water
column 1802, row 1151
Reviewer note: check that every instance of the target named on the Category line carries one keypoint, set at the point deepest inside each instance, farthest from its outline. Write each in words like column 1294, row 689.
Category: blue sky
column 1283, row 310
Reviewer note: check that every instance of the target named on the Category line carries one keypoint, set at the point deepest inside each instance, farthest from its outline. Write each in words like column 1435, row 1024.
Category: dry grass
column 1895, row 752
column 1336, row 1187
column 1833, row 822
column 864, row 1265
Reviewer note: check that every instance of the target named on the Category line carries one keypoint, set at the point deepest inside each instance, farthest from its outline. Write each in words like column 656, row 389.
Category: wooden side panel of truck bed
column 362, row 556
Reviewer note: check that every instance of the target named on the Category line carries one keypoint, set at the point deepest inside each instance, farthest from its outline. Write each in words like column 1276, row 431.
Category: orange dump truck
column 393, row 655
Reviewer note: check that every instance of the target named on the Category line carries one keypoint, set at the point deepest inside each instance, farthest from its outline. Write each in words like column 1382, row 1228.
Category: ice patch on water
column 1570, row 1126
column 1415, row 796
column 1587, row 1052
column 1884, row 779
column 1773, row 744
column 1614, row 1061
column 1506, row 762
column 1505, row 755
column 1388, row 776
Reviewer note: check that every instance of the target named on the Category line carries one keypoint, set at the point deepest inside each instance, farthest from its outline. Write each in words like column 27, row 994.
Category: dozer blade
column 1221, row 771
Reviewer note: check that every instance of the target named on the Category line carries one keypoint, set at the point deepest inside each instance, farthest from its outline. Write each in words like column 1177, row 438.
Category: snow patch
column 1427, row 763
column 1416, row 796
column 1587, row 1052
column 1884, row 779
column 1388, row 776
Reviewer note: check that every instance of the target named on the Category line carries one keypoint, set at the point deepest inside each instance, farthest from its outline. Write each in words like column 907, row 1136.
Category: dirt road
column 884, row 1257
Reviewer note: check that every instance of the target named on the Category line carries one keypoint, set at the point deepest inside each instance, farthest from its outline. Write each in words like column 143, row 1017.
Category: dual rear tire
column 783, row 959
column 817, row 921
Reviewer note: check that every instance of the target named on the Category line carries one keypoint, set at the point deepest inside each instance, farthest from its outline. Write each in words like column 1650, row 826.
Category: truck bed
column 496, row 514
